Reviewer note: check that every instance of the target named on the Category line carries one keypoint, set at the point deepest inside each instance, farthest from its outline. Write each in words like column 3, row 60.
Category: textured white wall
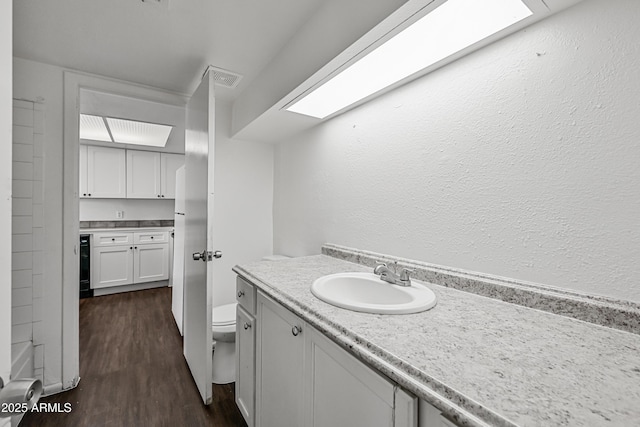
column 243, row 204
column 519, row 160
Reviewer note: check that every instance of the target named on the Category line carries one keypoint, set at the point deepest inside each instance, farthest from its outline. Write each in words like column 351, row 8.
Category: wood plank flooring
column 133, row 372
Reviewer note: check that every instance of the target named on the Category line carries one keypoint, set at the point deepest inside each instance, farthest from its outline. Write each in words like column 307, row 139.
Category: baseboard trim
column 129, row 288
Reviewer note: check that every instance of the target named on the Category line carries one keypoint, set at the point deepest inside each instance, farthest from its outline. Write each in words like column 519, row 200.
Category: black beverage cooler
column 85, row 266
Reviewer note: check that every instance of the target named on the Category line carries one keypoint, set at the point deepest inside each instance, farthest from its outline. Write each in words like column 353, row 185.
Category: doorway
column 75, row 84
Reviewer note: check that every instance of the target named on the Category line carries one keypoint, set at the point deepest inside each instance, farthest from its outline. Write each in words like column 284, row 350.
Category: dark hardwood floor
column 133, row 372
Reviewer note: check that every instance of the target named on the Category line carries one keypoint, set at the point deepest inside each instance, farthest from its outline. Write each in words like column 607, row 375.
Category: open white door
column 198, row 275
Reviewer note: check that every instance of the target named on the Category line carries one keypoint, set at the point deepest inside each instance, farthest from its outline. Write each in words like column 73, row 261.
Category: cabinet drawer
column 112, row 239
column 246, row 295
column 151, row 237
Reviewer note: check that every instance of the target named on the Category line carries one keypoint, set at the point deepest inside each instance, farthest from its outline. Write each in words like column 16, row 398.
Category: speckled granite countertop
column 479, row 360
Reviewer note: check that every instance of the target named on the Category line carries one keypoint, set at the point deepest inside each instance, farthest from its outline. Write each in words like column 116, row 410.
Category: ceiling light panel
column 448, row 29
column 93, row 127
column 138, row 133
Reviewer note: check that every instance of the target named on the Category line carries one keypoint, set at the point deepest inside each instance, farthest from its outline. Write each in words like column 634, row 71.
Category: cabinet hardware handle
column 163, row 195
column 89, row 194
column 84, row 194
column 113, row 239
column 296, row 330
column 240, row 294
column 136, row 247
column 247, row 325
column 151, row 237
column 130, row 247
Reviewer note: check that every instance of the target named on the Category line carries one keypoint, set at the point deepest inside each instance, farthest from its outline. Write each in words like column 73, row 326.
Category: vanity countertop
column 479, row 360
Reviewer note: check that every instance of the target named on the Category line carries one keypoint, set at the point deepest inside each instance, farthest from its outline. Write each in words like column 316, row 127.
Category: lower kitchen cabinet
column 150, row 262
column 112, row 266
column 305, row 379
column 122, row 258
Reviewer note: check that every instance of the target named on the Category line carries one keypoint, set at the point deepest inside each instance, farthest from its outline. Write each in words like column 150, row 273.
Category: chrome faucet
column 394, row 277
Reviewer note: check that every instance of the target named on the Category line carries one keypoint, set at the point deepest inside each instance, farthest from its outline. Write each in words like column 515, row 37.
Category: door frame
column 74, row 82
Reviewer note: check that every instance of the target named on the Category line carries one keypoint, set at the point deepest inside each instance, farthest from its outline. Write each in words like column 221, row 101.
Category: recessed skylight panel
column 452, row 27
column 139, row 133
column 93, row 127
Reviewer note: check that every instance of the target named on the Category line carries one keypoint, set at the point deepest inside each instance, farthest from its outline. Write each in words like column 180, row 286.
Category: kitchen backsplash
column 126, row 224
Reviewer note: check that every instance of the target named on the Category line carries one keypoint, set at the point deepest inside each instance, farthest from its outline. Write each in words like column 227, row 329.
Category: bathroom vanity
column 300, row 377
column 469, row 361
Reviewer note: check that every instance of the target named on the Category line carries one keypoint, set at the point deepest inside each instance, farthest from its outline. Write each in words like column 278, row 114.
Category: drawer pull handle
column 247, row 325
column 113, row 239
column 296, row 330
column 151, row 237
column 240, row 294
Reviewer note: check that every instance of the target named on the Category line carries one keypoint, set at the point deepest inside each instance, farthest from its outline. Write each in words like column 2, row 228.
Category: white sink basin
column 366, row 292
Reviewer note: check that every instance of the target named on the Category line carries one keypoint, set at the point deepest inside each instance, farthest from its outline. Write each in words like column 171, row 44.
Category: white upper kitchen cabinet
column 105, row 173
column 83, row 171
column 152, row 175
column 143, row 175
column 169, row 164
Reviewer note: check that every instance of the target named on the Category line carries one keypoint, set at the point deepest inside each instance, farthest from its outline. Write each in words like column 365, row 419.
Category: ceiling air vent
column 225, row 78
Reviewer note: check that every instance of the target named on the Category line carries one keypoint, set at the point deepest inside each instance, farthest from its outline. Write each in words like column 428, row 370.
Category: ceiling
column 148, row 44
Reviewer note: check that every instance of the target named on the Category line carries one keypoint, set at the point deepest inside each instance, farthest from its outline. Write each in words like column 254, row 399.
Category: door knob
column 206, row 255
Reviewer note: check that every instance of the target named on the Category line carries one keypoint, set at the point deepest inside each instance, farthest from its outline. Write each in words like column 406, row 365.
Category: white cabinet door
column 279, row 366
column 150, row 262
column 170, row 163
column 106, row 172
column 342, row 391
column 305, row 379
column 143, row 175
column 111, row 266
column 245, row 364
column 83, row 171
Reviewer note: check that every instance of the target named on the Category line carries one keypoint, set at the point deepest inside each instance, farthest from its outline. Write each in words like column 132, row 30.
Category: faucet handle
column 405, row 274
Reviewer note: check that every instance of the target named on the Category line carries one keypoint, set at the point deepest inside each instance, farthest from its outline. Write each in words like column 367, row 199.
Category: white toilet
column 223, row 328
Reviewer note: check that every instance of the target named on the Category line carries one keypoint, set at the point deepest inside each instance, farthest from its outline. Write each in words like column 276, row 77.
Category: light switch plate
column 119, row 214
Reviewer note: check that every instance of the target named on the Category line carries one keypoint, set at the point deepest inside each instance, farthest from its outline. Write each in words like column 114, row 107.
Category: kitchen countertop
column 480, row 361
column 121, row 229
